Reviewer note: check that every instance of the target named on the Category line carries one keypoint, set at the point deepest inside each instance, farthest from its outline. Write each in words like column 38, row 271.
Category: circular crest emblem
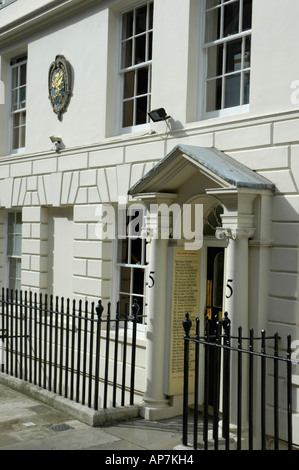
column 59, row 85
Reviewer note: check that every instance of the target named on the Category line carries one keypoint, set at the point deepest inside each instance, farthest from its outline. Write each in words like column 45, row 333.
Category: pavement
column 29, row 424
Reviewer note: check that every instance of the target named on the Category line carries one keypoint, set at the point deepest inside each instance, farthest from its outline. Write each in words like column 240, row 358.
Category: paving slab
column 27, row 424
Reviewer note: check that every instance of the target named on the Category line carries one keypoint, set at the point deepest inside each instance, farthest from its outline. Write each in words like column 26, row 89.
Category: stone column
column 236, row 276
column 236, row 305
column 155, row 404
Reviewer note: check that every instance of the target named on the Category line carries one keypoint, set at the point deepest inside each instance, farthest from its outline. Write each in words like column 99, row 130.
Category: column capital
column 234, row 233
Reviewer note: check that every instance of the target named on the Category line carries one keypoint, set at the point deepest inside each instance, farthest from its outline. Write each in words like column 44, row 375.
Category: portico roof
column 217, row 168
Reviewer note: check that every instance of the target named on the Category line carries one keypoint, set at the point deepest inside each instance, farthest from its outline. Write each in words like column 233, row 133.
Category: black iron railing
column 70, row 348
column 251, row 388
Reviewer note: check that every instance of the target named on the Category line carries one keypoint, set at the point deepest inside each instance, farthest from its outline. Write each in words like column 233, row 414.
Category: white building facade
column 230, row 143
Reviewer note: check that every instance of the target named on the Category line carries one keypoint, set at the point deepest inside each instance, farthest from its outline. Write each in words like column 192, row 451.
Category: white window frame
column 20, row 60
column 134, row 68
column 119, row 264
column 205, row 46
column 13, row 256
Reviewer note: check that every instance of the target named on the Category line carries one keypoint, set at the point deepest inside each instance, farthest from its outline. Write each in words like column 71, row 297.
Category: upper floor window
column 227, row 44
column 18, row 67
column 5, row 2
column 136, row 64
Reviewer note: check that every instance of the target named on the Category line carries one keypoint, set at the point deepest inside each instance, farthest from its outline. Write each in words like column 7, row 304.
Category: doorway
column 214, row 302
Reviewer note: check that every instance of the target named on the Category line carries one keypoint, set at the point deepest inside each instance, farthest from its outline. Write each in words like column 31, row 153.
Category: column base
column 153, row 410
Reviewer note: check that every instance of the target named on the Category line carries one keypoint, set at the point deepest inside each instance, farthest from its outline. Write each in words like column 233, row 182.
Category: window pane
column 12, row 268
column 246, row 87
column 15, row 138
column 234, row 56
column 151, row 16
column 22, row 137
column 22, row 118
column 141, row 111
column 18, row 228
column 141, row 20
column 247, row 14
column 10, row 243
column 212, row 3
column 124, row 301
column 127, row 54
column 16, row 120
column 136, row 251
column 232, row 90
column 212, row 25
column 214, row 93
column 14, row 77
column 142, row 81
column 125, row 277
column 23, row 74
column 14, row 100
column 140, row 44
column 128, row 113
column 127, row 26
column 129, row 79
column 247, row 52
column 18, row 245
column 11, row 222
column 123, row 251
column 22, row 95
column 231, row 19
column 215, row 59
column 150, row 46
column 138, row 281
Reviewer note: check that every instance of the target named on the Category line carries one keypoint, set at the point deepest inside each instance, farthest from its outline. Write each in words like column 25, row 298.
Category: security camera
column 56, row 141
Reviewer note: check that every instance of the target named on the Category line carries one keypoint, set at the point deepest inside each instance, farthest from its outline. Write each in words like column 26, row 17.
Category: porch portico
column 207, row 176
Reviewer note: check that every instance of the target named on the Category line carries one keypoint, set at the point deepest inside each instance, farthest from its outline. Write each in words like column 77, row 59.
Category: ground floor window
column 132, row 265
column 14, row 249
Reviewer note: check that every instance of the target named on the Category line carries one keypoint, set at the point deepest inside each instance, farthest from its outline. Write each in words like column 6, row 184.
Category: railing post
column 99, row 311
column 250, row 405
column 79, row 351
column 91, row 355
column 206, row 384
column 186, row 325
column 226, row 378
column 135, row 312
column 84, row 353
column 276, row 410
column 239, row 399
column 196, row 385
column 124, row 356
column 67, row 332
column 263, row 391
column 289, row 392
column 107, row 356
column 115, row 356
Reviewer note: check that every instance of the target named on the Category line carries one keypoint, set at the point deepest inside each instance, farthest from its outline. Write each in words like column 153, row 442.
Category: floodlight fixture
column 159, row 114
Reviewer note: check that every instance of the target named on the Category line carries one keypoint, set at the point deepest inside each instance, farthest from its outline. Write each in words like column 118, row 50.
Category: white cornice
column 52, row 13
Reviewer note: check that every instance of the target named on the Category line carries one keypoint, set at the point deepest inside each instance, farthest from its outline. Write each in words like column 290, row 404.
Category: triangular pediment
column 216, row 170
